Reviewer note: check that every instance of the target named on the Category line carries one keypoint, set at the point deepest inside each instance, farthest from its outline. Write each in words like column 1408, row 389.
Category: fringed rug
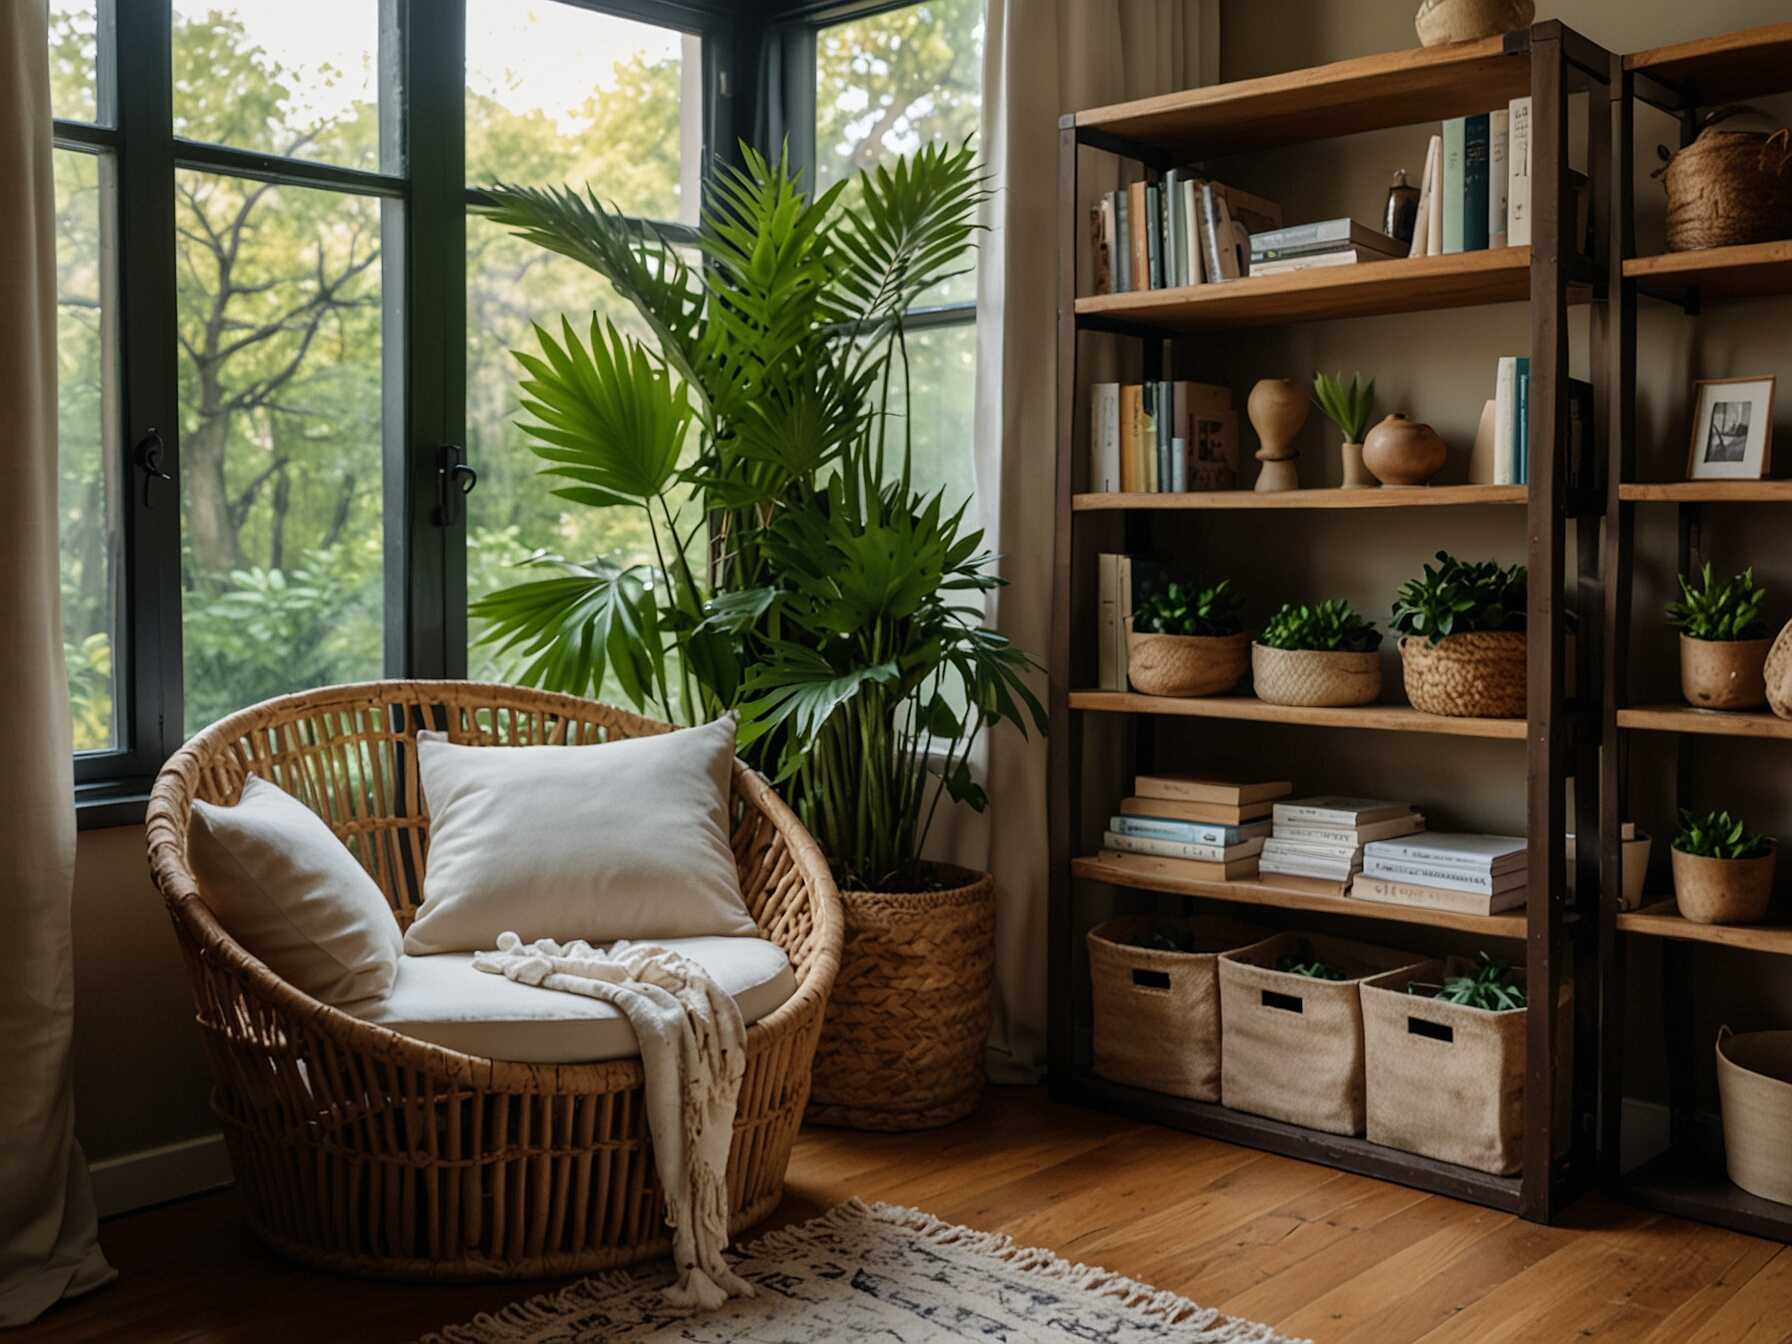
column 875, row 1272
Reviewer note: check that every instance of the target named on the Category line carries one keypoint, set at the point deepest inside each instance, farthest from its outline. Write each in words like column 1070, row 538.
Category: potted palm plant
column 1723, row 641
column 1723, row 872
column 1348, row 406
column 1462, row 644
column 1187, row 640
column 1317, row 655
column 800, row 577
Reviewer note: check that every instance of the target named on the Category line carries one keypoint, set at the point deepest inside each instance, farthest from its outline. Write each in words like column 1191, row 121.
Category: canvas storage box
column 1157, row 1012
column 1754, row 1085
column 1292, row 1046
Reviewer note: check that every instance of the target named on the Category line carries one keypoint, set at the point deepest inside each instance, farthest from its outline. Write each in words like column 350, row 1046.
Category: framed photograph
column 1732, row 430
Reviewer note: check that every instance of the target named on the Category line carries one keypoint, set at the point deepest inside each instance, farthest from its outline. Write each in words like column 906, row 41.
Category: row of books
column 1502, row 451
column 1174, row 229
column 1324, row 837
column 1169, row 435
column 1476, row 189
column 1328, row 242
column 1194, row 826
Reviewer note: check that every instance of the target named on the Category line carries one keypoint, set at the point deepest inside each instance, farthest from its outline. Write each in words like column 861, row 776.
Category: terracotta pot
column 1314, row 676
column 1723, row 891
column 1356, row 475
column 1443, row 21
column 1724, row 673
column 1779, row 674
column 1402, row 452
column 1480, row 675
column 1186, row 664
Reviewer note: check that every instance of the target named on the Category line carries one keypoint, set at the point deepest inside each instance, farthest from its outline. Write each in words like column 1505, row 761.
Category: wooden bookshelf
column 1425, row 497
column 1294, row 893
column 1372, row 718
column 1705, row 492
column 1708, row 722
column 1753, row 271
column 1661, row 919
column 1711, row 71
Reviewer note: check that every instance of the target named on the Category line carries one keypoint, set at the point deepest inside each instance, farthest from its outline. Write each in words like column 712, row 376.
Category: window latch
column 148, row 457
column 454, row 481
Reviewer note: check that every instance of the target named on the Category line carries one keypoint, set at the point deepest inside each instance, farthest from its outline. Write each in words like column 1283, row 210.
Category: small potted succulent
column 1723, row 641
column 1317, row 655
column 1347, row 405
column 1723, row 872
column 1187, row 640
column 1462, row 644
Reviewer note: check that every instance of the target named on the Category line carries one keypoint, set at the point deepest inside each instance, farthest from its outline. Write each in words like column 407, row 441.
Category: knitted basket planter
column 1728, row 188
column 1315, row 677
column 1473, row 676
column 1186, row 665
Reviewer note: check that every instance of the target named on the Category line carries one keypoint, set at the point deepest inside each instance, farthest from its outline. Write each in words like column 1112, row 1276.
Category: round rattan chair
column 361, row 1150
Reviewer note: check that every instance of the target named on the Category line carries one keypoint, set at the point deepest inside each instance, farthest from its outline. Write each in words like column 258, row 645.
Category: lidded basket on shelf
column 1729, row 187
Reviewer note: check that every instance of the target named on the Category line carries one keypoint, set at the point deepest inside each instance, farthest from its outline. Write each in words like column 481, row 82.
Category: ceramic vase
column 1723, row 891
column 1402, row 452
column 1356, row 475
column 1724, row 673
column 1278, row 409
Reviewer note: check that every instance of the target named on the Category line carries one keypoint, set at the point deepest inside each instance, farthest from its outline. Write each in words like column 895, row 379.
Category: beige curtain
column 1042, row 58
column 48, row 1249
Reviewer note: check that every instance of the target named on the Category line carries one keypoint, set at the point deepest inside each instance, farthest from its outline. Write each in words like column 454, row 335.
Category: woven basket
column 1729, row 187
column 1315, row 677
column 1441, row 22
column 902, row 1044
column 1754, row 1085
column 1779, row 674
column 1473, row 676
column 1186, row 664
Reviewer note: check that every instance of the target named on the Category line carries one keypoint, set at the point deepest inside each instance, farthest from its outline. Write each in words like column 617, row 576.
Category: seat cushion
column 442, row 999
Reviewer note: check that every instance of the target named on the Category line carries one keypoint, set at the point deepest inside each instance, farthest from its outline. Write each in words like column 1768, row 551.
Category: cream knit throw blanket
column 693, row 1051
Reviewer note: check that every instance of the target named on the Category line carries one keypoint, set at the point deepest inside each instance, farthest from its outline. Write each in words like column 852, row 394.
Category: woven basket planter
column 1315, row 677
column 1473, row 676
column 902, row 1045
column 1441, row 22
column 1779, row 674
column 1729, row 188
column 1186, row 665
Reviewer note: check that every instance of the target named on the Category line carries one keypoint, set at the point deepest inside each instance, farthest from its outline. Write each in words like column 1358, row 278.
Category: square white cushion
column 625, row 839
column 443, row 1000
column 286, row 888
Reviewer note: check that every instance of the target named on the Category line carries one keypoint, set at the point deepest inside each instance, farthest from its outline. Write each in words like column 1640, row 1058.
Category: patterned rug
column 875, row 1272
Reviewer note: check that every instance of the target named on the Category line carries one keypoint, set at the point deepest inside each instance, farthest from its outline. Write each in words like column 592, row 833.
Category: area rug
column 875, row 1272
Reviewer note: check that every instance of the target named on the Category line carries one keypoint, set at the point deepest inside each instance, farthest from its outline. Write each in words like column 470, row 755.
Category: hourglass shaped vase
column 1278, row 409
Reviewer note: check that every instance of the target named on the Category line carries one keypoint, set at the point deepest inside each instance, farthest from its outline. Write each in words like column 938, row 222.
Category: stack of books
column 1331, row 242
column 1465, row 874
column 1162, row 436
column 1324, row 837
column 1192, row 826
column 1175, row 229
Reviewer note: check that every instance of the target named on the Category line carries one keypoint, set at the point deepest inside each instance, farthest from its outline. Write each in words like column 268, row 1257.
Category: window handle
column 148, row 457
column 454, row 481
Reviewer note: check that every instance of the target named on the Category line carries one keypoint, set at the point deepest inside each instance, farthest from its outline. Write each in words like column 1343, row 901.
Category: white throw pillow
column 625, row 839
column 286, row 888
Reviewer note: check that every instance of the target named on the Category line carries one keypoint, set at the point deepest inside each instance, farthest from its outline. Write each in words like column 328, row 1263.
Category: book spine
column 1318, row 261
column 1300, row 849
column 1521, row 418
column 1165, row 469
column 1221, row 255
column 1434, row 215
column 1305, row 235
column 1518, row 172
column 1104, row 437
column 1321, row 835
column 1429, row 875
column 1368, row 250
column 1177, row 849
column 1193, row 869
column 1154, row 232
column 1455, row 130
column 1148, row 434
column 1474, row 183
column 1110, row 636
column 1187, row 832
column 1321, row 816
column 1421, row 228
column 1136, row 204
column 1098, row 250
column 1178, row 266
column 1417, row 851
column 1188, row 189
column 1122, row 252
column 1179, row 434
column 1505, row 406
column 1389, row 892
column 1499, row 176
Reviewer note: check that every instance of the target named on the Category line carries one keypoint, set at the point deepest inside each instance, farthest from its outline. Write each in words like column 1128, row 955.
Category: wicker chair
column 361, row 1150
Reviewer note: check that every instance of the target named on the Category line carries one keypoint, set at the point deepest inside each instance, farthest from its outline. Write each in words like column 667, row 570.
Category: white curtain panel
column 1042, row 58
column 48, row 1247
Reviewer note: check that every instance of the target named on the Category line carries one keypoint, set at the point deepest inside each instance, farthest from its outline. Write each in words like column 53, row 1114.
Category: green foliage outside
column 1184, row 607
column 1718, row 835
column 1454, row 597
column 1721, row 611
column 1328, row 627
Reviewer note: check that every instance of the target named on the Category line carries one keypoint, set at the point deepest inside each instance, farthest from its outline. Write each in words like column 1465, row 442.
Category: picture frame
column 1732, row 429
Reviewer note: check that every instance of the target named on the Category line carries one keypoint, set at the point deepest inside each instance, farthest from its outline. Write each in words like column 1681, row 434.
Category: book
column 1154, row 234
column 1387, row 892
column 1176, row 264
column 1110, row 625
column 1151, row 865
column 1328, row 865
column 1219, row 814
column 1499, row 178
column 1122, row 240
column 1314, row 849
column 1474, row 182
column 1367, row 251
column 1434, row 215
column 1209, row 788
column 1342, row 257
column 1318, row 833
column 1505, row 421
column 1323, row 234
column 1101, row 250
column 1492, row 853
column 1104, row 436
column 1177, row 849
column 1331, row 809
column 1421, row 229
column 1132, row 478
column 1189, row 832
column 1275, row 864
column 1228, row 254
column 1210, row 430
column 1521, row 417
column 1455, row 130
column 1446, row 878
column 1189, row 190
column 1518, row 172
column 1138, row 212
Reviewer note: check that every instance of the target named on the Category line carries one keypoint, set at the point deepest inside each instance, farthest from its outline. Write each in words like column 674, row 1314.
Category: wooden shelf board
column 1754, row 270
column 1367, row 289
column 1690, row 1182
column 1395, row 88
column 1294, row 893
column 1707, row 492
column 1725, row 69
column 1435, row 496
column 1378, row 718
column 1309, row 1145
column 1661, row 919
column 1713, row 722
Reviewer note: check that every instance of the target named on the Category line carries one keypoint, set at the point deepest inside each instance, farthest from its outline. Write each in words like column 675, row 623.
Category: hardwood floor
column 1340, row 1258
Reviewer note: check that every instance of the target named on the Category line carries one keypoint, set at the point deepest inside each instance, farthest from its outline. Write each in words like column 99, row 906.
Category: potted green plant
column 1347, row 405
column 1723, row 872
column 1723, row 641
column 1317, row 655
column 1187, row 639
column 1462, row 645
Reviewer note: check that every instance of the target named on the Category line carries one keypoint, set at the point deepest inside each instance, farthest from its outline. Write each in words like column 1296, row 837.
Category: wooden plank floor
column 1340, row 1258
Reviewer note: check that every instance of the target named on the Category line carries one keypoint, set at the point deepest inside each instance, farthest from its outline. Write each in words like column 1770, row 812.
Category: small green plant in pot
column 1723, row 872
column 1188, row 639
column 1347, row 405
column 1462, row 646
column 1723, row 641
column 1321, row 654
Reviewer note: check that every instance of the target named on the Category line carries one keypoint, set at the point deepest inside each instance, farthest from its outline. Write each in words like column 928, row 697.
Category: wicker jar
column 1729, row 188
column 1186, row 665
column 1779, row 674
column 1314, row 676
column 1474, row 676
column 902, row 1044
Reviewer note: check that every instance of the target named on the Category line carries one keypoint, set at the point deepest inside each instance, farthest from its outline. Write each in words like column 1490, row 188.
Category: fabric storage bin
column 1157, row 1012
column 1754, row 1087
column 1292, row 1046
